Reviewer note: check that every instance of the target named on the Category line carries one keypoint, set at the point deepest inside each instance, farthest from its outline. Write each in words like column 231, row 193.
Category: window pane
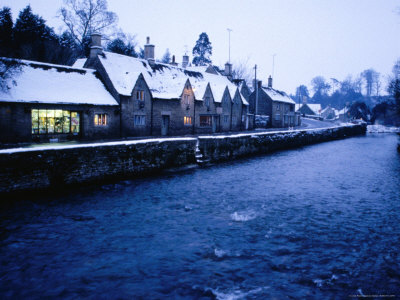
column 50, row 121
column 74, row 122
column 66, row 121
column 96, row 119
column 42, row 121
column 35, row 121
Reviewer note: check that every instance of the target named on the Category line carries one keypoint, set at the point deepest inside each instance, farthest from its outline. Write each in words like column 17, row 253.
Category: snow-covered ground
column 382, row 129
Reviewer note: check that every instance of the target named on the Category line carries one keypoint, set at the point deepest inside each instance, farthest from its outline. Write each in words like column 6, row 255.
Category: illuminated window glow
column 187, row 120
column 53, row 121
column 100, row 119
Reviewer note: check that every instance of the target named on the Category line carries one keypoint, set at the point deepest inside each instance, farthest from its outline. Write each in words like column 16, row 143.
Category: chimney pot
column 149, row 52
column 95, row 48
column 270, row 81
column 185, row 61
column 228, row 70
column 148, row 40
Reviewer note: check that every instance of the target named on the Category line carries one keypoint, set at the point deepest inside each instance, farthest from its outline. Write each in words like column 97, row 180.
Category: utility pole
column 273, row 65
column 229, row 34
column 256, row 87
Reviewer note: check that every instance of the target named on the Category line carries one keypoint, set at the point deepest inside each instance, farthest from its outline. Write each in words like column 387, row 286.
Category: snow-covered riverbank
column 382, row 129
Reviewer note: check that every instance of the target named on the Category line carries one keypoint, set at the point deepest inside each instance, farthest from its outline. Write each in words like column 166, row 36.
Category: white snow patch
column 382, row 129
column 60, row 147
column 243, row 216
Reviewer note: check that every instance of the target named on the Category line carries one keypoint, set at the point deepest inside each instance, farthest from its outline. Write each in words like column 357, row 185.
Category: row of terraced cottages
column 116, row 96
column 111, row 96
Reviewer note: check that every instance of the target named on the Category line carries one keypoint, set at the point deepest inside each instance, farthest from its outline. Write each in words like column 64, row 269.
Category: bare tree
column 370, row 76
column 241, row 70
column 83, row 17
column 320, row 85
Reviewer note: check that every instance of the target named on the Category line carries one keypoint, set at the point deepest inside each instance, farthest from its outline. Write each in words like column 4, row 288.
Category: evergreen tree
column 202, row 51
column 6, row 32
column 119, row 46
column 33, row 38
column 166, row 59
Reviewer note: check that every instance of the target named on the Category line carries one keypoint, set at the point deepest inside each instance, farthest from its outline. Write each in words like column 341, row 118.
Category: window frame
column 205, row 121
column 100, row 119
column 187, row 121
column 139, row 120
column 55, row 121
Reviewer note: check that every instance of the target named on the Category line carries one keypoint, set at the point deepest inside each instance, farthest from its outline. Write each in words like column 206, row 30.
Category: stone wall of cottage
column 16, row 122
column 210, row 111
column 282, row 109
column 236, row 112
column 136, row 112
column 226, row 117
column 41, row 169
column 264, row 103
column 175, row 110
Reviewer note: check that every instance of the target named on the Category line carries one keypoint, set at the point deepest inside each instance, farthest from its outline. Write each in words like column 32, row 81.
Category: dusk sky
column 309, row 37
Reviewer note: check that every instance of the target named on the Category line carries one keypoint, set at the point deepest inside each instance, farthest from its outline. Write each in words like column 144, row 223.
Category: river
column 318, row 222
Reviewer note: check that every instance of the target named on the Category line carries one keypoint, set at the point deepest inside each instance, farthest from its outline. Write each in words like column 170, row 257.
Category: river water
column 319, row 222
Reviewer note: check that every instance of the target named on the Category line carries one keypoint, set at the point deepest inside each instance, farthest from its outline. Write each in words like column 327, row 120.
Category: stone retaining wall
column 44, row 168
column 222, row 148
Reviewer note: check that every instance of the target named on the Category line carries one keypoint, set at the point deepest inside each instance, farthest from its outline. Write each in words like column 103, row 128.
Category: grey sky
column 309, row 37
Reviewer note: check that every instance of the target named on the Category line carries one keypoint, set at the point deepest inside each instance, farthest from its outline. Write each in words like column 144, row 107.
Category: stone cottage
column 276, row 105
column 46, row 102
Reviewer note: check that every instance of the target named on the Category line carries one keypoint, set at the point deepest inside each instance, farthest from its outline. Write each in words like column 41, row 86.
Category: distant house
column 165, row 99
column 310, row 109
column 329, row 113
column 43, row 102
column 344, row 114
column 277, row 105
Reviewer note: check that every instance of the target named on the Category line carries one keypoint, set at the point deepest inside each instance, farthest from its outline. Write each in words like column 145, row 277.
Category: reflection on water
column 318, row 222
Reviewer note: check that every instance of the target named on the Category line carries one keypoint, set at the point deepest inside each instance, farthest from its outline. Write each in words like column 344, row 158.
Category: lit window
column 51, row 121
column 140, row 95
column 100, row 119
column 205, row 121
column 187, row 120
column 140, row 120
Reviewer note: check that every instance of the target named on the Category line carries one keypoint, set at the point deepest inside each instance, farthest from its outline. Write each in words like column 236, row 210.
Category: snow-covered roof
column 316, row 108
column 343, row 110
column 80, row 62
column 165, row 81
column 276, row 95
column 37, row 82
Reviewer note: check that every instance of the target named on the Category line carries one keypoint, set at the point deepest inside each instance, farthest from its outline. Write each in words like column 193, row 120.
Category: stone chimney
column 270, row 81
column 173, row 62
column 95, row 47
column 228, row 70
column 149, row 51
column 259, row 83
column 185, row 61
